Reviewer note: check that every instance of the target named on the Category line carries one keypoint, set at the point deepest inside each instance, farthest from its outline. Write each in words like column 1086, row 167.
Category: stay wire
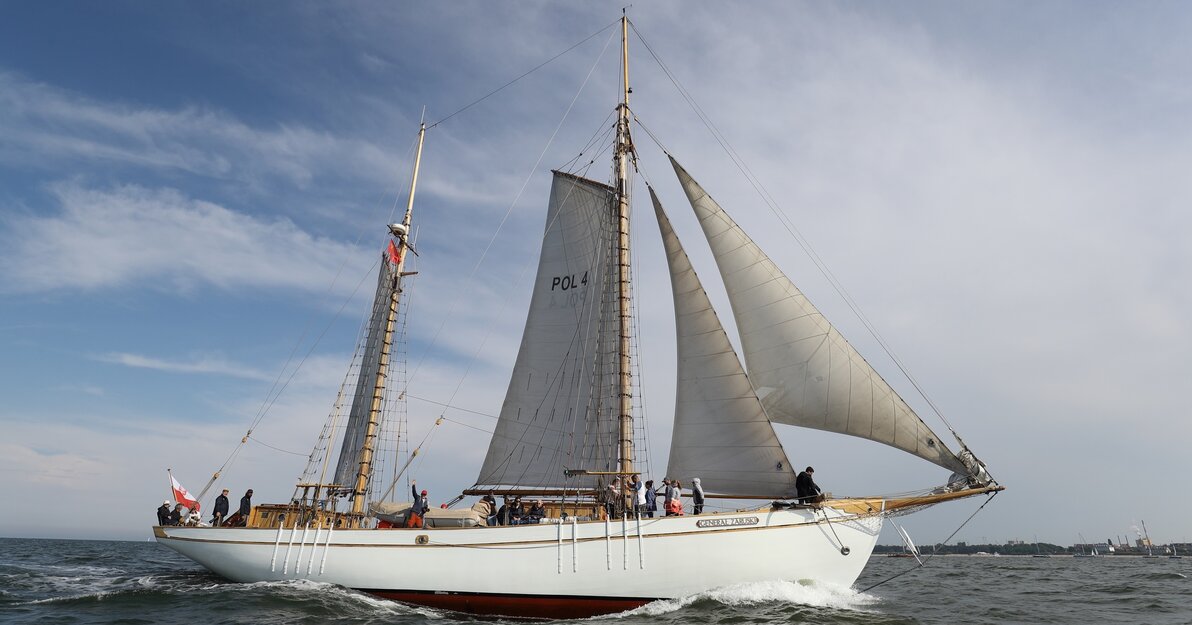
column 816, row 259
column 531, row 71
column 275, row 392
column 934, row 550
column 488, row 247
column 501, row 225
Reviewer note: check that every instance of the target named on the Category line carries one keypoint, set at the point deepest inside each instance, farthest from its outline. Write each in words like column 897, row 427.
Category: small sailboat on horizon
column 1038, row 552
column 1091, row 553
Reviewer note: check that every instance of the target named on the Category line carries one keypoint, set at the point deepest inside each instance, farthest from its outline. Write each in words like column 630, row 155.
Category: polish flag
column 183, row 497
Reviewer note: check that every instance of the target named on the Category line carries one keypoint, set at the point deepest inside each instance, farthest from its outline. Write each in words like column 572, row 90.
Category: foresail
column 721, row 434
column 348, row 464
column 805, row 372
column 557, row 410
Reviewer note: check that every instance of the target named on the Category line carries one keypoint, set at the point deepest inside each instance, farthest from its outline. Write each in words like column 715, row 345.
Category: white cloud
column 49, row 127
column 206, row 364
column 131, row 235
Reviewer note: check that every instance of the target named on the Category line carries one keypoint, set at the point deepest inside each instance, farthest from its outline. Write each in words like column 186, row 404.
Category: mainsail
column 348, row 464
column 721, row 433
column 559, row 412
column 804, row 370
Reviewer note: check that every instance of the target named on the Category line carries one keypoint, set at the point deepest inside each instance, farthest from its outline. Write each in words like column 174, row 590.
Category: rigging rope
column 504, row 218
column 275, row 392
column 531, row 71
column 788, row 224
column 934, row 548
column 284, row 451
column 471, row 276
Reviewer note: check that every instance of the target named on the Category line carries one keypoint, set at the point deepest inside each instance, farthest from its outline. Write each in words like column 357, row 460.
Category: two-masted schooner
column 566, row 433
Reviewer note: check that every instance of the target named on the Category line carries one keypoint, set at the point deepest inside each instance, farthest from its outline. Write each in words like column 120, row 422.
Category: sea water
column 69, row 581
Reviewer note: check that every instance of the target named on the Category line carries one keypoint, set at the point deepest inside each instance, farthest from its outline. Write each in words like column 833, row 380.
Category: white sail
column 557, row 414
column 721, row 433
column 804, row 370
column 348, row 464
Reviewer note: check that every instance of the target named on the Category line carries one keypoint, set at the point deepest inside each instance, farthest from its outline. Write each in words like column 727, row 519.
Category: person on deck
column 537, row 512
column 163, row 513
column 421, row 505
column 503, row 513
column 194, row 518
column 221, row 509
column 637, row 492
column 610, row 501
column 245, row 507
column 176, row 515
column 651, row 499
column 697, row 496
column 806, row 489
column 490, row 516
column 668, row 495
column 675, row 507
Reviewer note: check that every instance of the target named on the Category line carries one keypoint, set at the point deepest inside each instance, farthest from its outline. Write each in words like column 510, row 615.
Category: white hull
column 549, row 570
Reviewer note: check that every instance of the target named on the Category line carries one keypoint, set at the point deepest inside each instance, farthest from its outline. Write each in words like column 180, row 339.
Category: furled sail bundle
column 721, row 433
column 366, row 391
column 804, row 370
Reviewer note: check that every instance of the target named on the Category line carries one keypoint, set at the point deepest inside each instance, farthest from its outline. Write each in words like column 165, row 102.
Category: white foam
column 752, row 593
column 308, row 589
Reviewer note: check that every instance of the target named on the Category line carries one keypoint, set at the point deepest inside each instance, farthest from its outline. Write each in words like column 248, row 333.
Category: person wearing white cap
column 221, row 509
column 163, row 513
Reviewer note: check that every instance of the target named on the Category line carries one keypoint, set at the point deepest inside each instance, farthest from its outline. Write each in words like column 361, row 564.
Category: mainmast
column 368, row 449
column 624, row 148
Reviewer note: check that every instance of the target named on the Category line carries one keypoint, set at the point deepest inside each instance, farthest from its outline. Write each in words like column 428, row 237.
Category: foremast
column 398, row 248
column 621, row 156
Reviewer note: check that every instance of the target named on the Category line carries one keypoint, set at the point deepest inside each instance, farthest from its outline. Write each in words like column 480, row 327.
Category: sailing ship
column 1039, row 552
column 1150, row 553
column 567, row 433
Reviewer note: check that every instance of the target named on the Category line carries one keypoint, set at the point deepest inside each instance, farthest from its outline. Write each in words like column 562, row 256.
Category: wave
column 810, row 594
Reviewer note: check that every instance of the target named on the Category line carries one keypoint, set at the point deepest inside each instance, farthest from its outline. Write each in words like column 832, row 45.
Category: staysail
column 721, row 433
column 804, row 370
column 348, row 464
column 558, row 412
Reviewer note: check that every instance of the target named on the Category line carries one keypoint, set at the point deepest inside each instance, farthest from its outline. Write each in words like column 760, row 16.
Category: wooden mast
column 624, row 148
column 401, row 234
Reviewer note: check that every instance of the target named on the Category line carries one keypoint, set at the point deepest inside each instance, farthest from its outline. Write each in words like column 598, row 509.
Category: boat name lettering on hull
column 748, row 520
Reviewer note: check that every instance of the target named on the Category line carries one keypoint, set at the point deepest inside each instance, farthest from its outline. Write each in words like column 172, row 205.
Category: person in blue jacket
column 651, row 499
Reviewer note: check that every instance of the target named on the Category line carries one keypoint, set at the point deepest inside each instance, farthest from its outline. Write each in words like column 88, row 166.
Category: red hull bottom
column 522, row 606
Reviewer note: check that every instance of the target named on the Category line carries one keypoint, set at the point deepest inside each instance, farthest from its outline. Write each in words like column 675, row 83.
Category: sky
column 193, row 198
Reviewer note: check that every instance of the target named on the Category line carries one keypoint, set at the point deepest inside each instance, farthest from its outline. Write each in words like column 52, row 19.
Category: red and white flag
column 182, row 496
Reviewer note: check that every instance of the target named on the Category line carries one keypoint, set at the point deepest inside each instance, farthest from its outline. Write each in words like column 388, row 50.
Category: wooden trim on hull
column 518, row 606
column 864, row 506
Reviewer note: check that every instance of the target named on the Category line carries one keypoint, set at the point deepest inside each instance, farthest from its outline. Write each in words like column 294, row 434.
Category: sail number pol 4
column 566, row 283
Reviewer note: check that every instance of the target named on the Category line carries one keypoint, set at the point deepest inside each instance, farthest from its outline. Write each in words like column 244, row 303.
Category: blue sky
column 187, row 193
